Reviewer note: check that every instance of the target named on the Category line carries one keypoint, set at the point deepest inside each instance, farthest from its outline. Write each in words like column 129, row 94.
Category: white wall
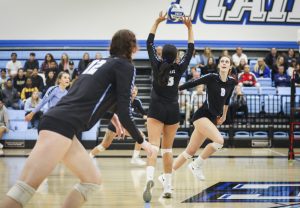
column 99, row 19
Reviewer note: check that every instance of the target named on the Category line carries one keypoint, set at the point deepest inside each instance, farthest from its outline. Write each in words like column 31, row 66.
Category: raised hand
column 162, row 17
column 187, row 21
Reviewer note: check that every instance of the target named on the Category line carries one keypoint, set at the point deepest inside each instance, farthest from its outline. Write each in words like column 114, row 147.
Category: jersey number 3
column 171, row 81
column 94, row 67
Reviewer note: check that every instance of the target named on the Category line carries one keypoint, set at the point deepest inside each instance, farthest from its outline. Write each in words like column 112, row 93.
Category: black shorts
column 204, row 113
column 167, row 113
column 58, row 126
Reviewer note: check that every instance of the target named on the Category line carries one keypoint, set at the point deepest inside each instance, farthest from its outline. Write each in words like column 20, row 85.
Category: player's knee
column 164, row 151
column 217, row 146
column 186, row 155
column 87, row 189
column 155, row 151
column 21, row 192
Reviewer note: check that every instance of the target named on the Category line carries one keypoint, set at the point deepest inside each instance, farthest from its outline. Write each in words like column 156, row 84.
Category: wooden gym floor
column 234, row 178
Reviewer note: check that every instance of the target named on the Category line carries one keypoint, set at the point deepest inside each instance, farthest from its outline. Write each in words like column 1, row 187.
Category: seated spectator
column 195, row 63
column 281, row 79
column 28, row 90
column 210, row 67
column 71, row 68
column 19, row 81
column 50, row 81
column 206, row 54
column 261, row 70
column 31, row 63
column 292, row 67
column 47, row 61
column 11, row 97
column 4, row 124
column 37, row 80
column 240, row 68
column 30, row 104
column 236, row 58
column 247, row 78
column 238, row 104
column 98, row 56
column 52, row 67
column 13, row 65
column 64, row 63
column 75, row 76
column 3, row 79
column 290, row 56
column 279, row 62
column 297, row 74
column 84, row 62
column 271, row 58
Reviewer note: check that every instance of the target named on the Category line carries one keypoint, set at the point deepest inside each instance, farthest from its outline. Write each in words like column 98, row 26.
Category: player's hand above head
column 187, row 21
column 162, row 17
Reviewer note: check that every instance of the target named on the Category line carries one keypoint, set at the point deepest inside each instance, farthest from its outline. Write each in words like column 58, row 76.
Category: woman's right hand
column 187, row 21
column 29, row 116
column 162, row 17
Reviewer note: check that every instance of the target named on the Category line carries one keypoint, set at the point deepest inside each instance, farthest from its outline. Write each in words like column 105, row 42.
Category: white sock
column 168, row 178
column 100, row 148
column 199, row 161
column 136, row 153
column 150, row 172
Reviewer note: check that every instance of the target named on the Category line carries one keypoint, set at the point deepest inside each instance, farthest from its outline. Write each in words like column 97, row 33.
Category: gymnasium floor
column 235, row 178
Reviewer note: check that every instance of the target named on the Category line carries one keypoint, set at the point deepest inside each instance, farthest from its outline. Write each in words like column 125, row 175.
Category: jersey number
column 94, row 67
column 171, row 81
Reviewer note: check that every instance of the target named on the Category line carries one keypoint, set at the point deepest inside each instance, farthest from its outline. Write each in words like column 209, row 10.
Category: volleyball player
column 53, row 94
column 103, row 84
column 163, row 115
column 137, row 112
column 213, row 112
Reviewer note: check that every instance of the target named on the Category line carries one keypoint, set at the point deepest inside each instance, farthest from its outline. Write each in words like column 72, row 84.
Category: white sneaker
column 167, row 191
column 147, row 195
column 137, row 161
column 197, row 171
column 162, row 180
column 1, row 146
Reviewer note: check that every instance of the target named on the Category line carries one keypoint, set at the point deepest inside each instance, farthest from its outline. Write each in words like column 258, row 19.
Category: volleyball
column 175, row 12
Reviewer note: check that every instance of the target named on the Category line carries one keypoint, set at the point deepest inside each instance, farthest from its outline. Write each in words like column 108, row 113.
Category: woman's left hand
column 221, row 120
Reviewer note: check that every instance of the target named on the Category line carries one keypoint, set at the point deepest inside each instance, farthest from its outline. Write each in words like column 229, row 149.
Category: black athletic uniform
column 164, row 100
column 104, row 85
column 137, row 112
column 218, row 94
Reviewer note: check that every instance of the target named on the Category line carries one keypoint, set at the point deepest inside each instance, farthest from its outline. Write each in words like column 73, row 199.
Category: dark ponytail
column 163, row 75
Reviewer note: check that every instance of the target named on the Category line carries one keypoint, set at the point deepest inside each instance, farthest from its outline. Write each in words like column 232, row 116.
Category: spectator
column 196, row 62
column 210, row 67
column 3, row 78
column 28, row 90
column 4, row 124
column 52, row 67
column 281, row 79
column 11, row 97
column 98, row 56
column 13, row 65
column 261, row 70
column 50, row 81
column 37, row 80
column 271, row 58
column 71, row 68
column 290, row 56
column 240, row 68
column 279, row 62
column 75, row 76
column 206, row 54
column 64, row 63
column 84, row 62
column 19, row 81
column 31, row 63
column 236, row 58
column 159, row 51
column 297, row 74
column 224, row 53
column 247, row 78
column 292, row 67
column 30, row 105
column 47, row 61
column 238, row 104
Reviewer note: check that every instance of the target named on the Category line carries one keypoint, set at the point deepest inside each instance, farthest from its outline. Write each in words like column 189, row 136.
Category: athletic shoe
column 137, row 161
column 147, row 195
column 1, row 146
column 167, row 191
column 197, row 171
column 162, row 180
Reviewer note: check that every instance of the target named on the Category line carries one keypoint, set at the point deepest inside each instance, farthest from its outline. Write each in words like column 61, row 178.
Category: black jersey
column 167, row 93
column 103, row 85
column 137, row 108
column 218, row 92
